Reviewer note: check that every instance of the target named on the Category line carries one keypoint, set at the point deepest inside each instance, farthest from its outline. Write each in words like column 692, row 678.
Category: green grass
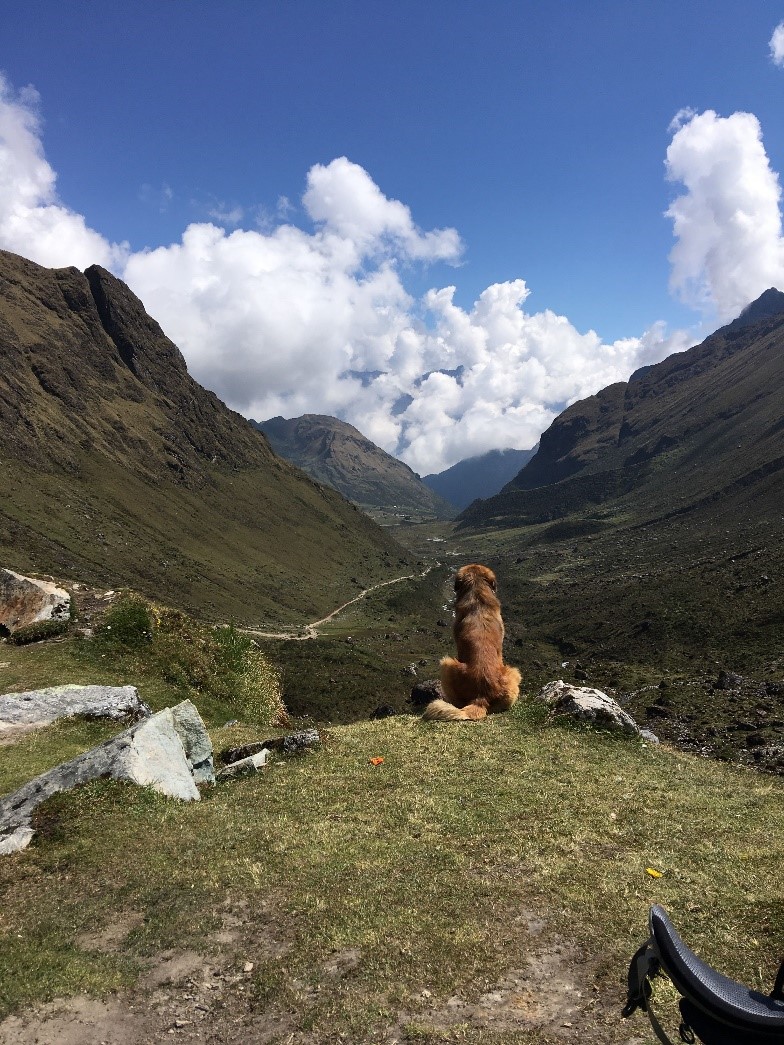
column 425, row 870
column 424, row 865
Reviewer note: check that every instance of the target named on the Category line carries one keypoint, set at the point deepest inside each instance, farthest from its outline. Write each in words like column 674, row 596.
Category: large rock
column 588, row 705
column 151, row 752
column 24, row 600
column 39, row 707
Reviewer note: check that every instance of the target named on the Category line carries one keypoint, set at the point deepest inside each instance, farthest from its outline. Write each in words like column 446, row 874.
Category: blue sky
column 537, row 133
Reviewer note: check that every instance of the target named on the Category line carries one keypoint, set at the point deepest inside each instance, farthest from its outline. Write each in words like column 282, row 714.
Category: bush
column 42, row 629
column 128, row 623
column 222, row 670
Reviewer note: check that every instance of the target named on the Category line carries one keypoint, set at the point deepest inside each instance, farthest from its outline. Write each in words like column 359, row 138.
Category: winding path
column 309, row 631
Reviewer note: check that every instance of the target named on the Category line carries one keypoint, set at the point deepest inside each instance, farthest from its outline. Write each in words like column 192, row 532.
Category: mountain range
column 480, row 476
column 334, row 452
column 117, row 467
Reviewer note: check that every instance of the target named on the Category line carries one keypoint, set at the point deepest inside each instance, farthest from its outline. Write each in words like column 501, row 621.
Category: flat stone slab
column 38, row 707
column 26, row 600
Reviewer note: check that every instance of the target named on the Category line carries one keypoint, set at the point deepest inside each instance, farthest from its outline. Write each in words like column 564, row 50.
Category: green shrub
column 127, row 624
column 42, row 629
column 222, row 670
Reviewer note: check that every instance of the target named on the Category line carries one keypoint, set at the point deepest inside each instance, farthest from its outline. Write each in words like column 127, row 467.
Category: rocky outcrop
column 20, row 712
column 587, row 705
column 157, row 752
column 25, row 601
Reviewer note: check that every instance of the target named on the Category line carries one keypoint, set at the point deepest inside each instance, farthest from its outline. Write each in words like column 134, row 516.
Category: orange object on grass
column 377, row 761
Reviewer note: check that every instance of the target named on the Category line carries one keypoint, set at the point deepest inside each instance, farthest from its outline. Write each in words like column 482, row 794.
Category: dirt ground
column 184, row 996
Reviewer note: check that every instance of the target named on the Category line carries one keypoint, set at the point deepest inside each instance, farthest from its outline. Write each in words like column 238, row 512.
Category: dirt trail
column 309, row 631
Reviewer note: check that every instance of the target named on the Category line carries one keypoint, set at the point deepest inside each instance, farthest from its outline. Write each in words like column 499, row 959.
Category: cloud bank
column 283, row 319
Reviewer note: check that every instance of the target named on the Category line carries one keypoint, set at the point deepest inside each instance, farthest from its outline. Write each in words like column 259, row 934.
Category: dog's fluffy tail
column 443, row 711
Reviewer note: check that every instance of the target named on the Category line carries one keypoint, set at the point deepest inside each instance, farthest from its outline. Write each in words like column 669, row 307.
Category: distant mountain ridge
column 334, row 452
column 698, row 423
column 480, row 476
column 117, row 467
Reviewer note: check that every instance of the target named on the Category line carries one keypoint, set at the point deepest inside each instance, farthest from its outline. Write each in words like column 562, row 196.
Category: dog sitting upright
column 477, row 682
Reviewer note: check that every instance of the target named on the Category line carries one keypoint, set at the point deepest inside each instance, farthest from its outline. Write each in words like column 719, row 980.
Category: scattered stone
column 728, row 680
column 16, row 840
column 651, row 738
column 25, row 601
column 292, row 744
column 149, row 752
column 244, row 766
column 424, row 692
column 39, row 707
column 295, row 743
column 587, row 705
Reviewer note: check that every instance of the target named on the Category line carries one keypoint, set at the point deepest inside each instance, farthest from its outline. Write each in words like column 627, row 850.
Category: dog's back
column 477, row 681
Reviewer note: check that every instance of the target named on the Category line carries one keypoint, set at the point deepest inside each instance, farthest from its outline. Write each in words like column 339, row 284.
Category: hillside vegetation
column 117, row 468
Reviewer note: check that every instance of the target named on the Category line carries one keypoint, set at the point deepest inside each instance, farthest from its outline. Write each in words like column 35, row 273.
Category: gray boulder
column 588, row 705
column 25, row 600
column 38, row 707
column 151, row 752
column 195, row 740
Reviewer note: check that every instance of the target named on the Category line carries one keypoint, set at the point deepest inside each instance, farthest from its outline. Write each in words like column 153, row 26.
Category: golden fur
column 477, row 682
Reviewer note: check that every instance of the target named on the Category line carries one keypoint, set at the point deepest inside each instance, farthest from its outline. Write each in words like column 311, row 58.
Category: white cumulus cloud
column 33, row 221
column 777, row 45
column 287, row 319
column 728, row 221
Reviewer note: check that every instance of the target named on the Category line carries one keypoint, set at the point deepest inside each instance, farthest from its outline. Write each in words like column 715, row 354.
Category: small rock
column 245, row 766
column 424, row 692
column 588, row 705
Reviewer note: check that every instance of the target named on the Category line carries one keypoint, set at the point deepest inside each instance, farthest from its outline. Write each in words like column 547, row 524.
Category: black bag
column 715, row 1009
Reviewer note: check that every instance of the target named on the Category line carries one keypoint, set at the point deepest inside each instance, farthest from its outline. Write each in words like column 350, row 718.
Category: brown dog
column 477, row 682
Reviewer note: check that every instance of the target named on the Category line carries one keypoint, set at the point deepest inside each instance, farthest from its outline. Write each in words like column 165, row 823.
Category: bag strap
column 778, row 987
column 643, row 966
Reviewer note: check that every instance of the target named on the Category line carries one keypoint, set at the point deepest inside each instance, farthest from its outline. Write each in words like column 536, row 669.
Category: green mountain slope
column 335, row 453
column 643, row 546
column 118, row 468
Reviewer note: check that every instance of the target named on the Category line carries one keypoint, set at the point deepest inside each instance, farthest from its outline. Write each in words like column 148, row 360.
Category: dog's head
column 473, row 576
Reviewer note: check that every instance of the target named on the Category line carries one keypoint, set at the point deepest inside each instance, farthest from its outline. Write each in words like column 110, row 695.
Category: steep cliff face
column 688, row 429
column 117, row 466
column 336, row 453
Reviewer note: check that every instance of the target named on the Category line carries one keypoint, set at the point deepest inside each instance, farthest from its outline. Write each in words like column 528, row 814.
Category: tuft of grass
column 222, row 670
